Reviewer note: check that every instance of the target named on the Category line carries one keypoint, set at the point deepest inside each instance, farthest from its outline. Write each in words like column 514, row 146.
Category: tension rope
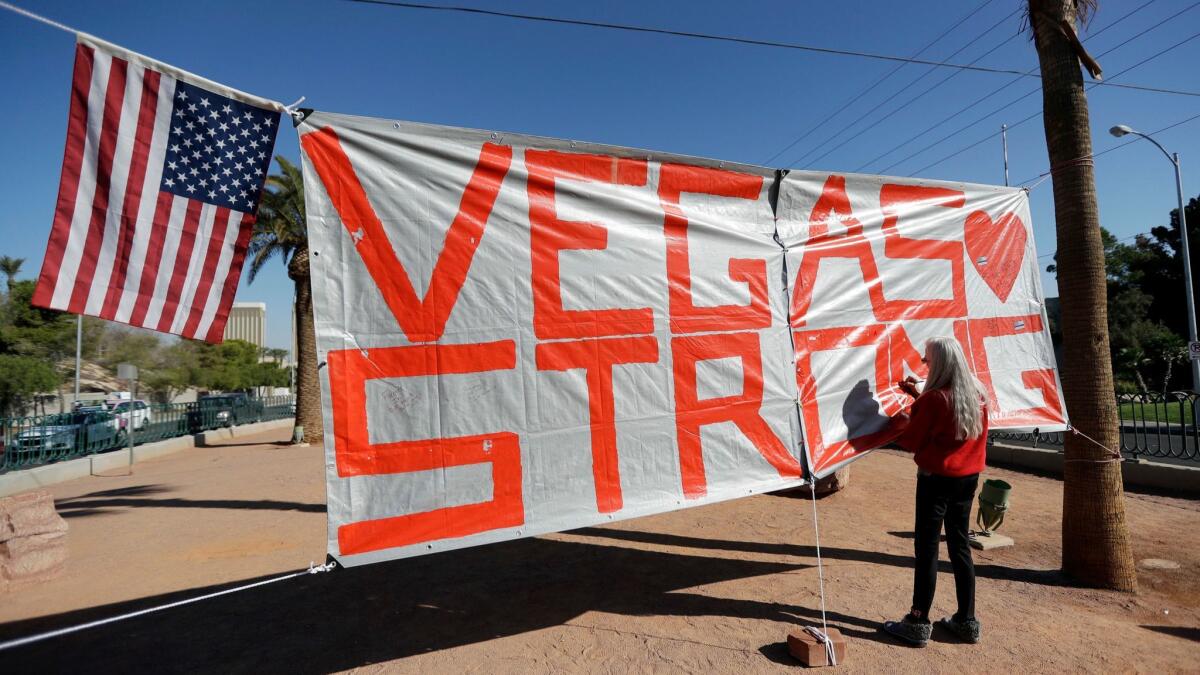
column 822, row 635
column 312, row 569
column 38, row 17
column 1113, row 455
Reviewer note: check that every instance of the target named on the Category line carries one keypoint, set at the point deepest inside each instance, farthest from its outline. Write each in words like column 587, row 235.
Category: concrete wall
column 23, row 480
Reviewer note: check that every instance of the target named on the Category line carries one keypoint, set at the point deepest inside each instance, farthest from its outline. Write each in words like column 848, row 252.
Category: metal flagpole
column 129, row 373
column 78, row 351
column 1004, row 140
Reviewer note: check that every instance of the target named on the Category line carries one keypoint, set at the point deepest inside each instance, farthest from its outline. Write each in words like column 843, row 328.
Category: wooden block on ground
column 809, row 651
column 991, row 541
column 835, row 482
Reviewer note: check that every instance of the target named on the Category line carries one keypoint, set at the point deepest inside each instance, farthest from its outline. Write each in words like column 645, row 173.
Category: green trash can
column 993, row 502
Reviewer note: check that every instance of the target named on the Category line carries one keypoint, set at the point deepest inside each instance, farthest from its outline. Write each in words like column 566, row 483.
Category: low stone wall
column 207, row 438
column 33, row 540
column 24, row 480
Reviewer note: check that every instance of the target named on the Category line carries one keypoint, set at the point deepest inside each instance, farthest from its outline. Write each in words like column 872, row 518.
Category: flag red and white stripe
column 124, row 246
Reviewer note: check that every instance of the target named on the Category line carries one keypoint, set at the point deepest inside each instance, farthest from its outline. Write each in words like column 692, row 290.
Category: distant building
column 248, row 321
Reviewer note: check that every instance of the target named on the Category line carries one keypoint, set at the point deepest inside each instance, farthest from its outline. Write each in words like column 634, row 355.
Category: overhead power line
column 1035, row 114
column 1105, row 152
column 892, row 111
column 1143, row 31
column 1193, row 118
column 1001, row 88
column 1117, row 21
column 871, row 87
column 734, row 39
column 1118, row 241
column 874, row 111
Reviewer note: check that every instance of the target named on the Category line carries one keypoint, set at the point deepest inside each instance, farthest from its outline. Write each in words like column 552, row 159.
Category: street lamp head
column 1120, row 130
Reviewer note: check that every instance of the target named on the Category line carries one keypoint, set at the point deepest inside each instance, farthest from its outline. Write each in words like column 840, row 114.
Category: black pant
column 941, row 499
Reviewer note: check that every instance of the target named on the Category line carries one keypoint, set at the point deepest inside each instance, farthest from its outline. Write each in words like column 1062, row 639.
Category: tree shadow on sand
column 142, row 496
column 217, row 444
column 1031, row 576
column 1183, row 632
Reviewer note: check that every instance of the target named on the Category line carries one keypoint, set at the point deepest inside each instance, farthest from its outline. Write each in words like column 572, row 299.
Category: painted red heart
column 996, row 249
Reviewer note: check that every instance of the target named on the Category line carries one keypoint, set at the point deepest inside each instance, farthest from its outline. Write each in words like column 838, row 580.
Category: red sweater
column 930, row 436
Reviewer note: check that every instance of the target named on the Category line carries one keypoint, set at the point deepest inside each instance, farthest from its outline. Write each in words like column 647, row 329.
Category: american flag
column 160, row 183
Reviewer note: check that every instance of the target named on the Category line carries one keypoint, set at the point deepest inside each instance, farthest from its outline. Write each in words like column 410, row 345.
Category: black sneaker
column 912, row 632
column 967, row 631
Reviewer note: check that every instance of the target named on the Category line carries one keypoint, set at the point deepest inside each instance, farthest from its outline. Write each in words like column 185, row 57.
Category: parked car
column 223, row 410
column 141, row 413
column 101, row 409
column 90, row 405
column 86, row 430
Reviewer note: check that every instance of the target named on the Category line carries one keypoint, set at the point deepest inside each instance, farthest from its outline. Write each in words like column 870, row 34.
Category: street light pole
column 1004, row 142
column 1121, row 130
column 1187, row 270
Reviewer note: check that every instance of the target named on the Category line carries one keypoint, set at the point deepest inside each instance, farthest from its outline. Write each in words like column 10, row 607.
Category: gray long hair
column 948, row 370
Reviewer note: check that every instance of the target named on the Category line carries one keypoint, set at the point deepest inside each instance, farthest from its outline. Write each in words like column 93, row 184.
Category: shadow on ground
column 217, row 444
column 139, row 496
column 1184, row 632
column 364, row 615
column 910, row 536
column 1030, row 576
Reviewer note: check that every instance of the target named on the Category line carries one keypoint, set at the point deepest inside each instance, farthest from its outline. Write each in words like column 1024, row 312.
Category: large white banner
column 877, row 266
column 524, row 335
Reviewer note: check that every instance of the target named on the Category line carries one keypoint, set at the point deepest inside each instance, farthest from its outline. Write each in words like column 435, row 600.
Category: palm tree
column 1095, row 539
column 10, row 267
column 281, row 232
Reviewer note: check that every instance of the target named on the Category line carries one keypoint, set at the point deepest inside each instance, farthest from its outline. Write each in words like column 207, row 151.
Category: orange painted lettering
column 744, row 410
column 597, row 358
column 421, row 319
column 356, row 455
column 549, row 235
column 686, row 317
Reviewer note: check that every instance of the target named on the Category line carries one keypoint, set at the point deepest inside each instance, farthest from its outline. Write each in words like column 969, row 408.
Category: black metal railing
column 41, row 439
column 1161, row 426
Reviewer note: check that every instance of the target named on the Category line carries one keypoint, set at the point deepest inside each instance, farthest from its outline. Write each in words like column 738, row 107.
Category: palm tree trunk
column 308, row 386
column 1095, row 539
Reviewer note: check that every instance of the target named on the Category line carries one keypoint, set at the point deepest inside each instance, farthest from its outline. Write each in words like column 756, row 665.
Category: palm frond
column 11, row 266
column 1085, row 11
column 261, row 256
column 280, row 229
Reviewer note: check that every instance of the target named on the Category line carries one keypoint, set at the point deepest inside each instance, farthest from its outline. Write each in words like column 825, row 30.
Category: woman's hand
column 909, row 386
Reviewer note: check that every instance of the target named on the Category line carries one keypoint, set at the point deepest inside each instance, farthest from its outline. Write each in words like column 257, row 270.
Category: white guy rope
column 823, row 634
column 1113, row 455
column 38, row 17
column 312, row 569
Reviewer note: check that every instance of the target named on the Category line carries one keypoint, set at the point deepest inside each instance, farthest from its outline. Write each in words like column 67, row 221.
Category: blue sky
column 734, row 102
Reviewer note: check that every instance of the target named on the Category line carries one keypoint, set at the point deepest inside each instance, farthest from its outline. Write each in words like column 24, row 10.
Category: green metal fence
column 1156, row 425
column 41, row 439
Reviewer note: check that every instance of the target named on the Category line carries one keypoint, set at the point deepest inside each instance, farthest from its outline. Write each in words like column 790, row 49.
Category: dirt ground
column 713, row 589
